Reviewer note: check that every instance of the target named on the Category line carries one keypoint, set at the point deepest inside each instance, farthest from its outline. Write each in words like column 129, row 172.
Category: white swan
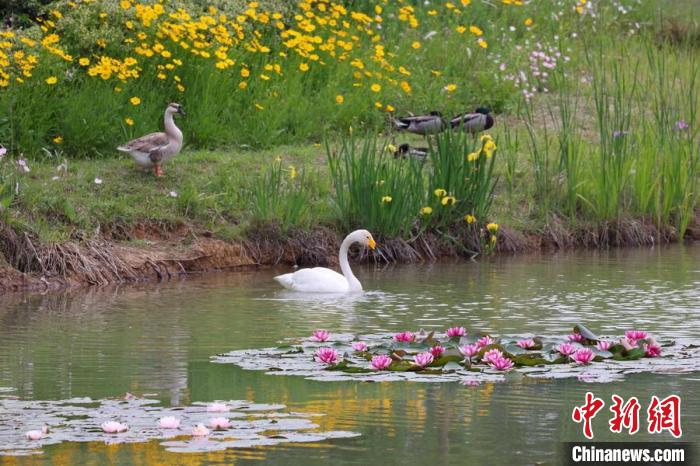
column 323, row 280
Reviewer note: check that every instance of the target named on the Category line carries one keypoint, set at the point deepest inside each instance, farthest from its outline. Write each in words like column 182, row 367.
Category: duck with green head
column 432, row 123
column 473, row 122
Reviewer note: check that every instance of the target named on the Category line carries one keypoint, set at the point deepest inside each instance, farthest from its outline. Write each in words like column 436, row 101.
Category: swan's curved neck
column 353, row 282
column 170, row 128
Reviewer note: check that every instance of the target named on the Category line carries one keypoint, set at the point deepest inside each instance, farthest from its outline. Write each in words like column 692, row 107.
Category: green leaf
column 587, row 334
column 452, row 366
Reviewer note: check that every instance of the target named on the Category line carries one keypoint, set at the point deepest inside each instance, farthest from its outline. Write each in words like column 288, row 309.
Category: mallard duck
column 152, row 150
column 421, row 124
column 405, row 150
column 475, row 122
column 323, row 280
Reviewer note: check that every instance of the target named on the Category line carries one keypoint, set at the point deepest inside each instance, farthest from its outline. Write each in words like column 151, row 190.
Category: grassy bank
column 595, row 144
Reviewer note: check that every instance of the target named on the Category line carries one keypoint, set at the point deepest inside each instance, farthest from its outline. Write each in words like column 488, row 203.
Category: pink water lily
column 492, row 355
column 437, row 351
column 218, row 408
column 405, row 336
column 456, row 332
column 359, row 346
column 604, row 345
column 37, row 434
column 501, row 364
column 381, row 362
column 423, row 359
column 527, row 344
column 320, row 335
column 484, row 341
column 219, row 423
column 469, row 350
column 327, row 356
column 652, row 351
column 577, row 337
column 567, row 349
column 169, row 422
column 113, row 427
column 583, row 356
column 636, row 335
column 200, row 430
column 628, row 344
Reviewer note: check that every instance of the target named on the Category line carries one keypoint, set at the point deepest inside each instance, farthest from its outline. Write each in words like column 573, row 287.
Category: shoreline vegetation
column 596, row 141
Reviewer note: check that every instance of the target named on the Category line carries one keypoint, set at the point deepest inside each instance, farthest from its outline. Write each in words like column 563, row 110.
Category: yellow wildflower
column 528, row 22
column 448, row 200
column 258, row 106
column 472, row 156
column 482, row 43
column 51, row 80
column 339, row 99
column 242, row 85
column 376, row 87
column 245, row 72
column 476, row 31
column 387, row 200
column 450, row 87
column 292, row 172
column 57, row 140
column 389, row 108
column 391, row 148
column 84, row 61
column 492, row 228
column 461, row 29
column 304, row 67
column 489, row 148
column 135, row 100
column 129, row 121
column 469, row 218
column 416, row 45
column 426, row 210
column 440, row 192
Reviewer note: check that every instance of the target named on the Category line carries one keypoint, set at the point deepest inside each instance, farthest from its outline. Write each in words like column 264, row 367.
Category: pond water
column 157, row 339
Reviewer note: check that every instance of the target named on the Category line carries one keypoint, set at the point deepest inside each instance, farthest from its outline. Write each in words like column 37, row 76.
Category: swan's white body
column 323, row 280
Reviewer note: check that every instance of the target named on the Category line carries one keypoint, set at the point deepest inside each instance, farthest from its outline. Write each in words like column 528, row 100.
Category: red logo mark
column 626, row 415
column 665, row 415
column 587, row 412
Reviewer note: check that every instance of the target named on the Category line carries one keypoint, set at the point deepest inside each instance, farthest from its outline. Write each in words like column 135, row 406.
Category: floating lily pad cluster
column 471, row 358
column 197, row 428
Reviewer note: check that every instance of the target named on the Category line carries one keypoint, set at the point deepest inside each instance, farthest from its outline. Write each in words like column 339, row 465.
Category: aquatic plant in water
column 320, row 335
column 424, row 356
column 114, row 427
column 381, row 362
column 326, row 355
column 359, row 346
column 178, row 428
column 423, row 359
column 169, row 422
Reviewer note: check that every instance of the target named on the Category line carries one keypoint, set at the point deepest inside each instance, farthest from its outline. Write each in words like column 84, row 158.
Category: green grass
column 600, row 146
column 215, row 192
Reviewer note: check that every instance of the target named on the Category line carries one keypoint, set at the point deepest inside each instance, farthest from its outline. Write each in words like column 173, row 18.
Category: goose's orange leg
column 158, row 171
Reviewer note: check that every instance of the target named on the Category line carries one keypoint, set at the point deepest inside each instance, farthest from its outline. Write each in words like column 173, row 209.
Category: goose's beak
column 181, row 111
column 371, row 243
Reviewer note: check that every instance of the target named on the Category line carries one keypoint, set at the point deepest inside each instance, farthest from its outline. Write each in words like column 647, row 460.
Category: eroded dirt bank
column 147, row 252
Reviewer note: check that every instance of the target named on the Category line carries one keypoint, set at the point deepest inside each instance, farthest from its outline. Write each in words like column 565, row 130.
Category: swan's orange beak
column 371, row 243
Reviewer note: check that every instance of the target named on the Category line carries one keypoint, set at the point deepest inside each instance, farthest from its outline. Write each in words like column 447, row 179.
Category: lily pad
column 79, row 420
column 543, row 361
